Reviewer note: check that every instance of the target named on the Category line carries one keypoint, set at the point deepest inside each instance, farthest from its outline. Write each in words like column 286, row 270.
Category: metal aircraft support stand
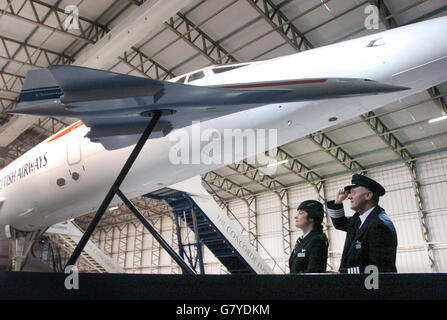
column 186, row 250
column 114, row 190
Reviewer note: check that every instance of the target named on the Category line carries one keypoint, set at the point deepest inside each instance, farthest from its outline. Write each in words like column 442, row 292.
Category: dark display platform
column 44, row 286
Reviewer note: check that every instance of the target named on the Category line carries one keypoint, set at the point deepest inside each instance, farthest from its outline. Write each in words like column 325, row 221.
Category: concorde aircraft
column 68, row 174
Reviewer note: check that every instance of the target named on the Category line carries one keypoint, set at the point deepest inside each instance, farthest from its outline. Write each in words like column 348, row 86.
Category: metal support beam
column 199, row 40
column 287, row 22
column 30, row 55
column 272, row 13
column 316, row 181
column 136, row 2
column 156, row 248
column 140, row 62
column 174, row 241
column 43, row 11
column 422, row 213
column 256, row 175
column 386, row 136
column 439, row 99
column 320, row 189
column 108, row 241
column 12, row 129
column 123, row 237
column 11, row 82
column 123, row 215
column 362, row 29
column 186, row 269
column 428, row 15
column 51, row 125
column 328, row 145
column 252, row 221
column 296, row 167
column 283, row 197
column 138, row 246
column 178, row 231
column 129, row 31
column 113, row 190
column 7, row 104
column 191, row 250
column 226, row 185
column 19, row 48
column 386, row 17
column 288, row 31
column 33, row 56
column 394, row 144
column 240, row 192
column 103, row 50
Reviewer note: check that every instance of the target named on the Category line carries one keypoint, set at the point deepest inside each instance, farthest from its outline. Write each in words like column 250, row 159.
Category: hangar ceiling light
column 437, row 119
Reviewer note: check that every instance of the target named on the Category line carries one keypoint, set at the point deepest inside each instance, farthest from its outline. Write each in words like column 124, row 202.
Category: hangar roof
column 215, row 32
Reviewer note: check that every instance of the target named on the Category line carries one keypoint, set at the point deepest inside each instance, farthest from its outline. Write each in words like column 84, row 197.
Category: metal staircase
column 88, row 258
column 69, row 234
column 192, row 203
column 184, row 207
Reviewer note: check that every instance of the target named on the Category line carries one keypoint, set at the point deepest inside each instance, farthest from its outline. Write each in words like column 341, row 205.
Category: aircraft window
column 196, row 76
column 181, row 80
column 225, row 69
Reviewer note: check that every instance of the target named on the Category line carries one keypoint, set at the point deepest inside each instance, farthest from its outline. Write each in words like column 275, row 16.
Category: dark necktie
column 357, row 224
column 349, row 238
column 355, row 229
column 298, row 241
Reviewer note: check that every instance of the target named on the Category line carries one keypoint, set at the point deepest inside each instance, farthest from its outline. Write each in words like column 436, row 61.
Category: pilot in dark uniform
column 371, row 238
column 311, row 249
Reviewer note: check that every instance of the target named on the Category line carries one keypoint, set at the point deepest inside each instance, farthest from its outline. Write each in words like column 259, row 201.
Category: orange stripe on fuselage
column 67, row 130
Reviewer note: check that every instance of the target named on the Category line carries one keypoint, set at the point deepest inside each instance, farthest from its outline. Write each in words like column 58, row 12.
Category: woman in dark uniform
column 311, row 249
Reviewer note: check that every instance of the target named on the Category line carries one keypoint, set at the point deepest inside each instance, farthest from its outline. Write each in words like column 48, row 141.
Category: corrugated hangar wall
column 422, row 235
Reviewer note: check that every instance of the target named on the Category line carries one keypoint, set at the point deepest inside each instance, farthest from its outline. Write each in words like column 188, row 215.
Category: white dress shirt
column 364, row 216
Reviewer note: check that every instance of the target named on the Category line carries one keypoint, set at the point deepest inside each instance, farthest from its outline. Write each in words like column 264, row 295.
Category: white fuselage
column 414, row 56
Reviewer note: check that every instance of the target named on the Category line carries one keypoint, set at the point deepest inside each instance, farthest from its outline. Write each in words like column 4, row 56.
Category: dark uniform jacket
column 311, row 254
column 375, row 243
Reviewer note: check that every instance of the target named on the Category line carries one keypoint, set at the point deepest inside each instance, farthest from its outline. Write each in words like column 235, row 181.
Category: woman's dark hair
column 318, row 225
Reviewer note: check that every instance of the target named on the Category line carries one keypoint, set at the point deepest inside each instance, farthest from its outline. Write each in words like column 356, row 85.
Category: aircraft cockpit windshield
column 209, row 71
column 196, row 76
column 181, row 80
column 227, row 68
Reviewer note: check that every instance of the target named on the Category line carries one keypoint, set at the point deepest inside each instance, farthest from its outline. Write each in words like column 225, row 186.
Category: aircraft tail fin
column 81, row 84
column 72, row 84
column 39, row 85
